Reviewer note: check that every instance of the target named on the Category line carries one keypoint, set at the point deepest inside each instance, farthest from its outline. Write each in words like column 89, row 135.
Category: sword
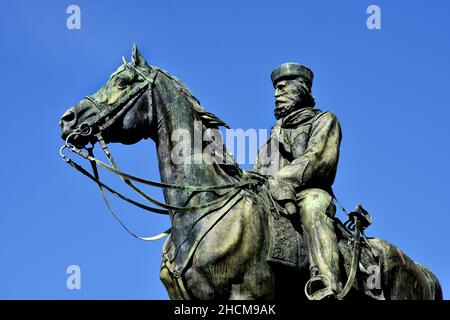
column 358, row 221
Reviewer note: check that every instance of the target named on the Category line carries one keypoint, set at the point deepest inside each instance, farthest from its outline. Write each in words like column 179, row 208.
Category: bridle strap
column 127, row 177
column 242, row 183
column 128, row 105
column 223, row 199
column 105, row 111
column 96, row 176
column 111, row 190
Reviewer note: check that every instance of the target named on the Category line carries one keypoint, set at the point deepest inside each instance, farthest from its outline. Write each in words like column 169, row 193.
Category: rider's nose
column 277, row 93
column 67, row 119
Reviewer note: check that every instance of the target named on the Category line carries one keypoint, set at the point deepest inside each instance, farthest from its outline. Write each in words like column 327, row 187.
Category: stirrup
column 321, row 293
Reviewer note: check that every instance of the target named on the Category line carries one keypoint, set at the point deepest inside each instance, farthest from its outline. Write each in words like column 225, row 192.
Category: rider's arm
column 316, row 166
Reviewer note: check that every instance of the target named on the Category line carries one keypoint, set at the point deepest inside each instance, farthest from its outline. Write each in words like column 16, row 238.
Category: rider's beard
column 283, row 110
column 300, row 99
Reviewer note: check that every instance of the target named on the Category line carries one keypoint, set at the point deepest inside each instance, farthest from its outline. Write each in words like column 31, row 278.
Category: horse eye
column 121, row 83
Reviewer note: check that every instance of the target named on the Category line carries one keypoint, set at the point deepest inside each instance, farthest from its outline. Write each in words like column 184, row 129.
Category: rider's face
column 289, row 93
column 286, row 94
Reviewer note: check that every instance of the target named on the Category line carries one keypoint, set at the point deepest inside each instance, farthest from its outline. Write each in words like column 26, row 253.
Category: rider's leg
column 316, row 209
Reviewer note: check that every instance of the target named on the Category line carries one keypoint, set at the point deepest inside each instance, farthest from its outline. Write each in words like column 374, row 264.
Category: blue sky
column 389, row 88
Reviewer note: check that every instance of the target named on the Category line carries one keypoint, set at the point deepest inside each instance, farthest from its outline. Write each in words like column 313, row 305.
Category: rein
column 104, row 116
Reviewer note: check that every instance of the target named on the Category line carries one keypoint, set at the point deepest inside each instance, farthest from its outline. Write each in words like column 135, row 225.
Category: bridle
column 106, row 117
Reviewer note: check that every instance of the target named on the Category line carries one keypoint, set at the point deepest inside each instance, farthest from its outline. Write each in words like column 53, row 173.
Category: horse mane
column 209, row 120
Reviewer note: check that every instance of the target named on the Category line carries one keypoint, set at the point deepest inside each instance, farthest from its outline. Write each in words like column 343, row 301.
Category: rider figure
column 301, row 158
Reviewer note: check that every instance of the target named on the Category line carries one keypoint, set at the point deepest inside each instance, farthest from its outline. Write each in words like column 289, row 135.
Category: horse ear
column 137, row 58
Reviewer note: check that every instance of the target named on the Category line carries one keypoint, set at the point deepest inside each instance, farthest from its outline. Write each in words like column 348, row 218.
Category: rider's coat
column 302, row 152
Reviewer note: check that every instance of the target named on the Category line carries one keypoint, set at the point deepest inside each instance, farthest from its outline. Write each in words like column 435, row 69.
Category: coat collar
column 298, row 117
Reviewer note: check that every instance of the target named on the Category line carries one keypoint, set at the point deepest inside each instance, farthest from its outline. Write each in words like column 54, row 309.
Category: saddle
column 289, row 247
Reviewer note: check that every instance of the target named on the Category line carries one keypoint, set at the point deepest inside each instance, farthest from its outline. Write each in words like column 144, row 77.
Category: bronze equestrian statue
column 237, row 234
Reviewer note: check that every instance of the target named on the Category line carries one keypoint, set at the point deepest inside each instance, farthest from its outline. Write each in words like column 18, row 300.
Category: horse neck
column 175, row 113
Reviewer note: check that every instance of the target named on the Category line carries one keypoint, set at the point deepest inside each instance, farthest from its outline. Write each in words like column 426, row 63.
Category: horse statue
column 228, row 240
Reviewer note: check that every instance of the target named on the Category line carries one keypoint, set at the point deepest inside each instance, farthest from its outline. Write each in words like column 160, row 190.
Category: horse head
column 120, row 110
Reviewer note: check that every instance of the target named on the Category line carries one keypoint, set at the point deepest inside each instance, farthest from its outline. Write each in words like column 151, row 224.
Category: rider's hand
column 291, row 208
column 284, row 194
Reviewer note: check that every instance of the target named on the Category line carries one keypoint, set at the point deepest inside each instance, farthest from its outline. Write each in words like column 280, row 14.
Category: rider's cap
column 292, row 70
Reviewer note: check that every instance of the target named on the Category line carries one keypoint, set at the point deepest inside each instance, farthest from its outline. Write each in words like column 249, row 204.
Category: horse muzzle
column 75, row 122
column 67, row 123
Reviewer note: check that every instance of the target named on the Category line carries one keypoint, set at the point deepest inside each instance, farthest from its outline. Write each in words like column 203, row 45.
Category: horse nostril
column 67, row 117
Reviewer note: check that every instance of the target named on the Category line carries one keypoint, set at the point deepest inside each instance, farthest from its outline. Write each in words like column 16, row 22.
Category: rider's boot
column 316, row 210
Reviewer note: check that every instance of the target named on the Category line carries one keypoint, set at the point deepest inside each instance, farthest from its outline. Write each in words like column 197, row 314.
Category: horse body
column 219, row 252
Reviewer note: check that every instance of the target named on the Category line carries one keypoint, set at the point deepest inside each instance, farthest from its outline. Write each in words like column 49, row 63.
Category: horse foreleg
column 171, row 283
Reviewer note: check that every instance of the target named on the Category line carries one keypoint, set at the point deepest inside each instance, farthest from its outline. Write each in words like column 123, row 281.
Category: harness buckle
column 177, row 271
